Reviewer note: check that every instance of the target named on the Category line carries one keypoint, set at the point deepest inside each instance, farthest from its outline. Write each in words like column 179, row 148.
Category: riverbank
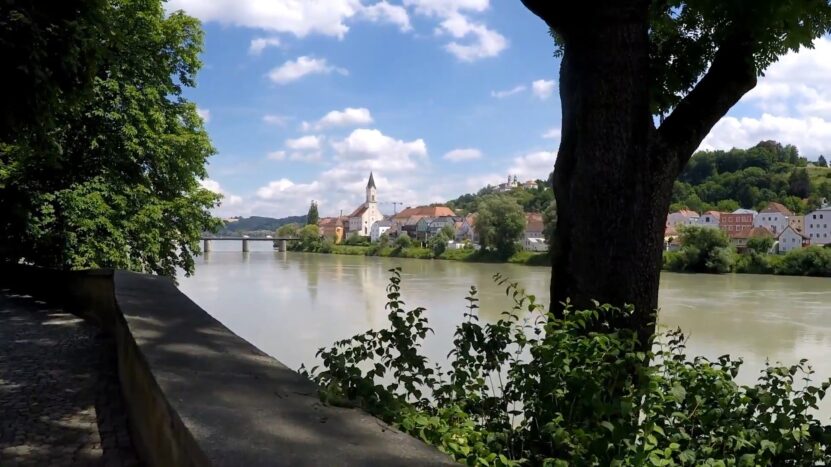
column 526, row 258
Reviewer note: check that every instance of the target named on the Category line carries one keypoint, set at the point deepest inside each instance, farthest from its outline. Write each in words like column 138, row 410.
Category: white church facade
column 360, row 221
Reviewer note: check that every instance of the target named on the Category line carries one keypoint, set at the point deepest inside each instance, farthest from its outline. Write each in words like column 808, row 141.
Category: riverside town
column 511, row 233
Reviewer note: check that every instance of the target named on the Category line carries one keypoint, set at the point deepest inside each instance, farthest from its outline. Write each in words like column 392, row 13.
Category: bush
column 573, row 390
column 438, row 243
column 403, row 241
column 809, row 261
column 356, row 240
column 702, row 250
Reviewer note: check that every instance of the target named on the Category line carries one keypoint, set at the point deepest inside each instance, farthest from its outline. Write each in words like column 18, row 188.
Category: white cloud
column 297, row 156
column 812, row 135
column 261, row 43
column 285, row 189
column 534, row 166
column 366, row 149
column 292, row 70
column 304, row 143
column 205, row 114
column 467, row 154
column 552, row 133
column 446, row 7
column 542, row 88
column 228, row 200
column 349, row 116
column 277, row 120
column 508, row 92
column 481, row 42
column 384, row 12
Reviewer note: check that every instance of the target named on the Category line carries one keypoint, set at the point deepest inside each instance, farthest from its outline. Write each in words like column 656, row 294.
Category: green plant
column 403, row 241
column 534, row 389
column 702, row 250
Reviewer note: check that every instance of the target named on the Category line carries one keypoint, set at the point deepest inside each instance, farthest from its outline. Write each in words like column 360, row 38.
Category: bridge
column 279, row 242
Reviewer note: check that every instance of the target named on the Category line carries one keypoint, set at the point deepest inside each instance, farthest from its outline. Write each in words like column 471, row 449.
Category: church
column 360, row 221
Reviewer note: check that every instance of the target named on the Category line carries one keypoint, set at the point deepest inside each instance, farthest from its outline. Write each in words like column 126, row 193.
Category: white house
column 774, row 218
column 818, row 226
column 534, row 239
column 379, row 228
column 791, row 239
column 710, row 219
column 682, row 217
column 360, row 221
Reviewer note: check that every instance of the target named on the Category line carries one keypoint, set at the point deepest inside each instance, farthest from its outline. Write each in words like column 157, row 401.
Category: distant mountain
column 257, row 226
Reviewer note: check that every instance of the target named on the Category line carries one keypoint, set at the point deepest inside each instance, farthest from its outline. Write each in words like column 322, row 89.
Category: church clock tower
column 370, row 190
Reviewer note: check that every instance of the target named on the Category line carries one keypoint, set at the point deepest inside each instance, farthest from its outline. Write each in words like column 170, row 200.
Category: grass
column 527, row 258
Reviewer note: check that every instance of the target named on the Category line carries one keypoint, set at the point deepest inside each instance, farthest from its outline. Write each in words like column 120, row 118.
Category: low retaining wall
column 199, row 395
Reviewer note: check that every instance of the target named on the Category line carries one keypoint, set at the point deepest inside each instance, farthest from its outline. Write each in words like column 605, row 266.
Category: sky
column 303, row 98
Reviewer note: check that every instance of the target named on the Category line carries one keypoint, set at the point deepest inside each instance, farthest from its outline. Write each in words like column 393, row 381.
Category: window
column 815, row 216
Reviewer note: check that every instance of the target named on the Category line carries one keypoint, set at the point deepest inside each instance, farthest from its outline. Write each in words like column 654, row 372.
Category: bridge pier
column 206, row 246
column 281, row 246
column 245, row 245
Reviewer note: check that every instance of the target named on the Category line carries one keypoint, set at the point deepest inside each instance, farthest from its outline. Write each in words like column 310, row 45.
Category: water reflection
column 290, row 304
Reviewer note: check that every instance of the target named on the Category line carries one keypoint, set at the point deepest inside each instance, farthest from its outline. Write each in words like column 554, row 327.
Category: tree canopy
column 117, row 185
column 500, row 224
column 312, row 218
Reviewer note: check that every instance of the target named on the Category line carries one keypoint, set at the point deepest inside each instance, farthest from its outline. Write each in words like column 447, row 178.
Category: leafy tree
column 312, row 218
column 821, row 161
column 727, row 205
column 403, row 241
column 702, row 250
column 438, row 244
column 760, row 245
column 799, row 183
column 117, row 185
column 448, row 232
column 624, row 63
column 289, row 230
column 501, row 223
column 310, row 239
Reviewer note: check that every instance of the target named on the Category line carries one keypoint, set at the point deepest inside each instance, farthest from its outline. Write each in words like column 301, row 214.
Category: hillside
column 257, row 226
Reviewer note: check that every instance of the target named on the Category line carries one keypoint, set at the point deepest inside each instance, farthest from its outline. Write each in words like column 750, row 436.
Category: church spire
column 371, row 182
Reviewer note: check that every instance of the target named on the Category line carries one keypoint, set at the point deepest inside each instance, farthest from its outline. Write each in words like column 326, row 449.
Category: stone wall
column 198, row 394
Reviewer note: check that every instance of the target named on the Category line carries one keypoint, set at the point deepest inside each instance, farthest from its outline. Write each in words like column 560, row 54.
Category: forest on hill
column 751, row 178
column 258, row 226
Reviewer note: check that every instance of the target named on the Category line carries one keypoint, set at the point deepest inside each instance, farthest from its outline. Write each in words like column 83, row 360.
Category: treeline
column 536, row 199
column 751, row 178
column 708, row 250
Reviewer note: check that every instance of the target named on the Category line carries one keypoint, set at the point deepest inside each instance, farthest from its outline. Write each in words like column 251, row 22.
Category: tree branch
column 545, row 9
column 731, row 75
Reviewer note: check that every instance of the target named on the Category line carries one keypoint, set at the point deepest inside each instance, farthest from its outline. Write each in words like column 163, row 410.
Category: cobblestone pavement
column 60, row 402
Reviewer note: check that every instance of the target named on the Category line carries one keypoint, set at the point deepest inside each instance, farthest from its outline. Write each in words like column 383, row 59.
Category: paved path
column 60, row 403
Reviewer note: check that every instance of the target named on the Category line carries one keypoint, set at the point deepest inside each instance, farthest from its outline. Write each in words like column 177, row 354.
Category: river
column 290, row 304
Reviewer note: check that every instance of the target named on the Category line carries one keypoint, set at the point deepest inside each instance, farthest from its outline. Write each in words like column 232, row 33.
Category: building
column 791, row 239
column 438, row 223
column 739, row 239
column 424, row 211
column 797, row 222
column 332, row 228
column 379, row 228
column 534, row 239
column 361, row 220
column 710, row 219
column 774, row 218
column 467, row 231
column 736, row 221
column 682, row 217
column 817, row 226
column 672, row 241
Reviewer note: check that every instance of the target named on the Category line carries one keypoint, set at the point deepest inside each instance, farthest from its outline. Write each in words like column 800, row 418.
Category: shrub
column 437, row 244
column 403, row 241
column 535, row 389
column 356, row 240
column 702, row 250
column 809, row 261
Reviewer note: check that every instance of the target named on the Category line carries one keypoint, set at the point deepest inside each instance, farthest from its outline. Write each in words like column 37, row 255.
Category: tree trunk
column 611, row 182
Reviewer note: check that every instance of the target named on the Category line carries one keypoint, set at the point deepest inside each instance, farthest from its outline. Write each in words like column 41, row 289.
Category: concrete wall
column 198, row 394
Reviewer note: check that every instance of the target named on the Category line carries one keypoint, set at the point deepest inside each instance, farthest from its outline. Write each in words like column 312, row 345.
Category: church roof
column 371, row 182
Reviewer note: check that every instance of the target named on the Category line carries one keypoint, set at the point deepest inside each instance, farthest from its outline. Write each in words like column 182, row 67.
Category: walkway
column 60, row 403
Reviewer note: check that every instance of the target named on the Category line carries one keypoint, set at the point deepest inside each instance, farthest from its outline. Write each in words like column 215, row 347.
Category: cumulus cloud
column 542, row 88
column 383, row 12
column 369, row 149
column 296, row 156
column 812, row 135
column 304, row 143
column 228, row 200
column 508, row 92
column 533, row 166
column 293, row 70
column 284, row 188
column 347, row 117
column 261, row 43
column 205, row 114
column 277, row 120
column 552, row 133
column 458, row 155
column 446, row 7
column 480, row 41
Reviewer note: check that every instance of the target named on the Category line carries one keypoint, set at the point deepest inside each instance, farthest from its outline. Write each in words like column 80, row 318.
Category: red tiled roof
column 360, row 211
column 533, row 222
column 425, row 211
column 776, row 207
column 715, row 214
column 750, row 233
column 687, row 213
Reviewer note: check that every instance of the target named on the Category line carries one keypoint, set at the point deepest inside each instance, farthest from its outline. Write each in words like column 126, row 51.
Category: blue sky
column 302, row 98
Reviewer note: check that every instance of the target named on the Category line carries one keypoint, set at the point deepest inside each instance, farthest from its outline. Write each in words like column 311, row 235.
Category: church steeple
column 370, row 189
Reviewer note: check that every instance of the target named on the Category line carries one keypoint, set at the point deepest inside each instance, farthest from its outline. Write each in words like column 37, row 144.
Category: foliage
column 354, row 240
column 821, row 162
column 760, row 245
column 403, row 241
column 289, row 230
column 312, row 218
column 117, row 182
column 310, row 238
column 769, row 171
column 500, row 224
column 257, row 225
column 438, row 243
column 536, row 389
column 534, row 199
column 808, row 261
column 702, row 250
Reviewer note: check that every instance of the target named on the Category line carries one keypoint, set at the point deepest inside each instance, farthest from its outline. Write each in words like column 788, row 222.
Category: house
column 774, row 218
column 361, row 220
column 797, row 222
column 672, row 241
column 408, row 226
column 534, row 240
column 422, row 228
column 467, row 231
column 817, row 226
column 683, row 217
column 379, row 228
column 438, row 223
column 710, row 219
column 739, row 239
column 791, row 239
column 736, row 221
column 422, row 211
column 332, row 228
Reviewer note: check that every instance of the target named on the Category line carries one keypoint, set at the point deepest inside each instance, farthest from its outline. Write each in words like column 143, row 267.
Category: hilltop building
column 361, row 220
